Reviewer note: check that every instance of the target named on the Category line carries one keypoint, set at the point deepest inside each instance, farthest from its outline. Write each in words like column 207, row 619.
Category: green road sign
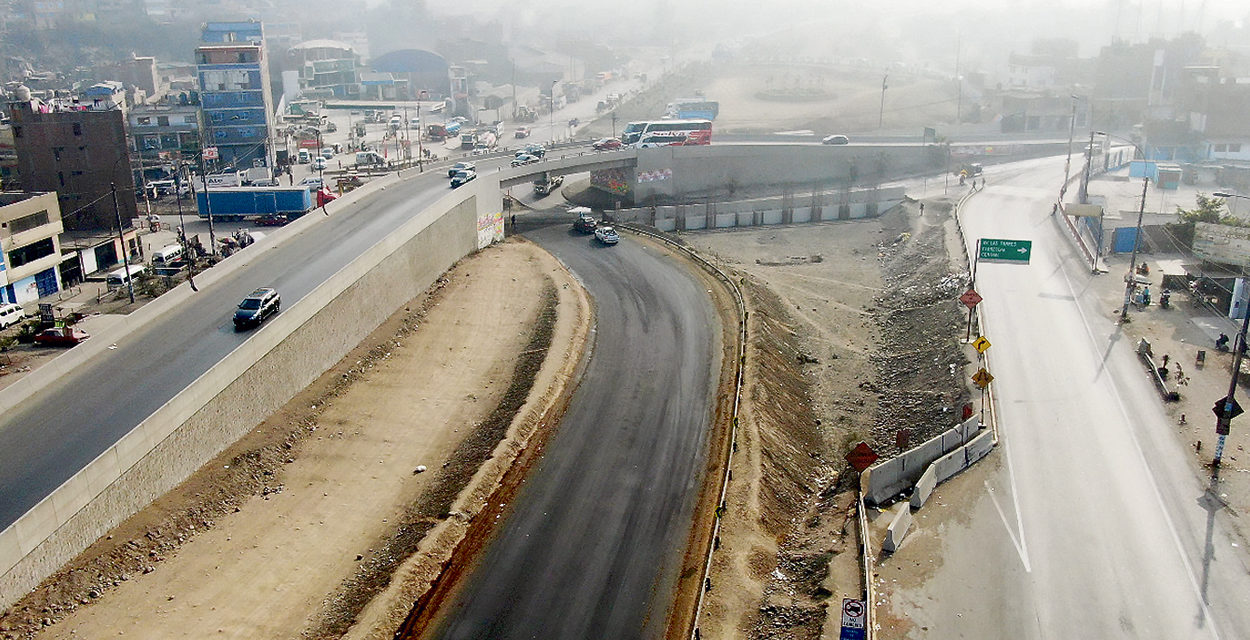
column 1005, row 250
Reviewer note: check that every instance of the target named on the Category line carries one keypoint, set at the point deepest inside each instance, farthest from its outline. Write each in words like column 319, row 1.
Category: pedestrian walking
column 514, row 222
column 922, row 208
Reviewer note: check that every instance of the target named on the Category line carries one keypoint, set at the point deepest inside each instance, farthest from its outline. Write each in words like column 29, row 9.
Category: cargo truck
column 238, row 203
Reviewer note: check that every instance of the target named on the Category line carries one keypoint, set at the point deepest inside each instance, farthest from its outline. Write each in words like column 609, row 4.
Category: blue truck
column 238, row 203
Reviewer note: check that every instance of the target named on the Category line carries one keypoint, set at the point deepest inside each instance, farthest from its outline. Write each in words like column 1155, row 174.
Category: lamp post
column 420, row 149
column 881, row 111
column 1130, row 278
column 1239, row 352
column 551, row 113
column 130, row 283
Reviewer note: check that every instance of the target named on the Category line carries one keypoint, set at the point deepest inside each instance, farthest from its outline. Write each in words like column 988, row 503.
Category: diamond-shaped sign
column 970, row 298
column 980, row 344
column 861, row 457
column 982, row 378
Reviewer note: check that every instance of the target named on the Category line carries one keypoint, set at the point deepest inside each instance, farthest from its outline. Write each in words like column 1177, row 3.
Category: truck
column 545, row 185
column 258, row 176
column 467, row 140
column 435, row 132
column 225, row 179
column 526, row 114
column 485, row 141
column 238, row 203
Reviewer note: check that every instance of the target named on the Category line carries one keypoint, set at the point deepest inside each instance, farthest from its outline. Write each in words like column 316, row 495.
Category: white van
column 10, row 314
column 167, row 255
column 118, row 278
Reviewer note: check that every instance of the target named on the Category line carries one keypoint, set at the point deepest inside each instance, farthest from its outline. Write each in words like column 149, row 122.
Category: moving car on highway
column 524, row 159
column 606, row 144
column 61, row 337
column 256, row 307
column 460, row 166
column 836, row 139
column 585, row 223
column 607, row 235
column 533, row 150
column 522, row 132
column 462, row 177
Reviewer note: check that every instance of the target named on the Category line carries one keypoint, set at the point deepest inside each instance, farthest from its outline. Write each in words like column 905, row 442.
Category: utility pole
column 1239, row 350
column 208, row 209
column 420, row 150
column 130, row 283
column 1089, row 159
column 182, row 229
column 614, row 122
column 1067, row 165
column 881, row 111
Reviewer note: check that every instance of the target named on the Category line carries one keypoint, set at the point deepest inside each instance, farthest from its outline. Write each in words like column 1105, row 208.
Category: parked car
column 256, row 307
column 319, row 164
column 327, row 153
column 522, row 132
column 585, row 223
column 835, row 139
column 460, row 166
column 607, row 235
column 524, row 159
column 606, row 144
column 533, row 150
column 462, row 177
column 311, row 181
column 61, row 337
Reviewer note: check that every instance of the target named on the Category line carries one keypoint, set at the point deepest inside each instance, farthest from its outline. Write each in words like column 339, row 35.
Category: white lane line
column 1022, row 547
column 1154, row 486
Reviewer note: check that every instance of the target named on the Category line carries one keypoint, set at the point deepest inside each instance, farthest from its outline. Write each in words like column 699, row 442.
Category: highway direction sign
column 1000, row 250
column 980, row 344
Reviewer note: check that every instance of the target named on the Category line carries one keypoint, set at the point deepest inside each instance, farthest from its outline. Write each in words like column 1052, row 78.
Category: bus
column 662, row 133
column 692, row 108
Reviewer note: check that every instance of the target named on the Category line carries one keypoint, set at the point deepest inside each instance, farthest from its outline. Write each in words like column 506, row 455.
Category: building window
column 17, row 132
column 144, row 120
column 31, row 252
column 28, row 222
column 78, row 128
column 162, row 121
column 1221, row 148
column 1234, row 148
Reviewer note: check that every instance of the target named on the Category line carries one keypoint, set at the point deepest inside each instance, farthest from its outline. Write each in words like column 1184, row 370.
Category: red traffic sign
column 970, row 298
column 861, row 457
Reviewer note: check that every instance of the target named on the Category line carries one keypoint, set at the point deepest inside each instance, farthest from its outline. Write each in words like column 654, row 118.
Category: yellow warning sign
column 982, row 378
column 980, row 344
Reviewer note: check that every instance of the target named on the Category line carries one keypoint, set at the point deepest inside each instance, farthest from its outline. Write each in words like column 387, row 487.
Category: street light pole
column 881, row 111
column 420, row 149
column 551, row 113
column 182, row 229
column 1130, row 278
column 130, row 283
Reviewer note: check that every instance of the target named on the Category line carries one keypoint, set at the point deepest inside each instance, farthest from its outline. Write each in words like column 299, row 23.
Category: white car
column 311, row 181
column 462, row 177
column 460, row 166
column 835, row 139
column 607, row 235
column 525, row 159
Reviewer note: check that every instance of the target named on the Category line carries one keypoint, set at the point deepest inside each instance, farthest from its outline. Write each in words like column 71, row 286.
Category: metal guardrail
column 738, row 381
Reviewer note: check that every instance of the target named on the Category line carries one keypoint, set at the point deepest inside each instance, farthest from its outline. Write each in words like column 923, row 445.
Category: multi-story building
column 30, row 226
column 327, row 69
column 233, row 77
column 165, row 133
column 79, row 150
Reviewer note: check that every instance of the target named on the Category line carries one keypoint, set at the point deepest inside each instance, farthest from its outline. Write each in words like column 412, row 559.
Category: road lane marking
column 1021, row 545
column 1141, row 459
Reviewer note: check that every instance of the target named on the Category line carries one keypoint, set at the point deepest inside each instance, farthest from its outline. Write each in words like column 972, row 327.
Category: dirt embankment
column 853, row 333
column 299, row 525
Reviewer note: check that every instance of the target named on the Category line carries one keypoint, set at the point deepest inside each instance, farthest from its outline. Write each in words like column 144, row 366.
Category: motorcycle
column 1221, row 343
column 1165, row 300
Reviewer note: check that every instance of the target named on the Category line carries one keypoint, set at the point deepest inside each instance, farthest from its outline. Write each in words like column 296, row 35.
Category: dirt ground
column 323, row 501
column 853, row 333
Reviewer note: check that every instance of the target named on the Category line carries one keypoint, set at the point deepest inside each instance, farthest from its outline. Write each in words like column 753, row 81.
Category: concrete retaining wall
column 281, row 358
column 796, row 209
column 952, row 463
column 887, row 479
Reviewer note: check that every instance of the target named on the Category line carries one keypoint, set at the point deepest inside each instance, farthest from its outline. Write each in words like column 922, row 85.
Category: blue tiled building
column 233, row 76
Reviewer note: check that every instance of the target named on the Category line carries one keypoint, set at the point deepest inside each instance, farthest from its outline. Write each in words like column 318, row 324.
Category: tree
column 1208, row 210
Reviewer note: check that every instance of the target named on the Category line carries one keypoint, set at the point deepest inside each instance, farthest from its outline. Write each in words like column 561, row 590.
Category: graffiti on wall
column 614, row 181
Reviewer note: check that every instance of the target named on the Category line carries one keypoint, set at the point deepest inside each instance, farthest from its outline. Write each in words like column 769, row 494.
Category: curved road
column 48, row 438
column 1092, row 524
column 593, row 542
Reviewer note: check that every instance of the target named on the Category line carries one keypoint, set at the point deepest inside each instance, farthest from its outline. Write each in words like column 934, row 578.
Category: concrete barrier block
column 949, row 465
column 35, row 525
column 897, row 530
column 979, row 447
column 924, row 487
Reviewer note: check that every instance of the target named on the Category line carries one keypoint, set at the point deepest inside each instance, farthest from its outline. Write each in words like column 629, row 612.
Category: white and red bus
column 663, row 133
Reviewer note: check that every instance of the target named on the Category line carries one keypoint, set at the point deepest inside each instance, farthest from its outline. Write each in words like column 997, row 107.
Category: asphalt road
column 45, row 441
column 1092, row 524
column 593, row 543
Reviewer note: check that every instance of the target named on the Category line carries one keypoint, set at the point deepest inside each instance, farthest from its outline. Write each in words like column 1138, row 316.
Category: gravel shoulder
column 280, row 535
